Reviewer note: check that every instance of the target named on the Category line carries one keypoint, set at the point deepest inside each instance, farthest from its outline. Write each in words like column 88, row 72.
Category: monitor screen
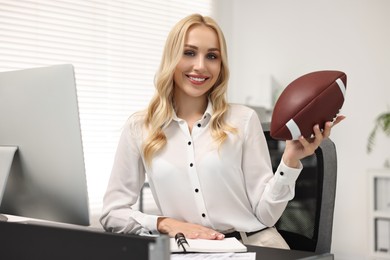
column 39, row 115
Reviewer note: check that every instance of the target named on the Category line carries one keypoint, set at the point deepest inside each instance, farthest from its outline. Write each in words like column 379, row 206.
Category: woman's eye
column 189, row 53
column 212, row 56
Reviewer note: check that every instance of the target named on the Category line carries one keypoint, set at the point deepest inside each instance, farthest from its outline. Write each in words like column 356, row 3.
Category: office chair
column 307, row 222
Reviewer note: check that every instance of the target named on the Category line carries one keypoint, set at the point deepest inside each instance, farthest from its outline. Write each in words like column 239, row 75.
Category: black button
column 282, row 173
column 204, row 117
column 199, row 125
column 189, row 143
column 196, row 190
column 191, row 164
column 203, row 215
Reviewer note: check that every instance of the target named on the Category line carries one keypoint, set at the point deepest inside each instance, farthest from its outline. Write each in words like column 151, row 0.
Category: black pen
column 181, row 240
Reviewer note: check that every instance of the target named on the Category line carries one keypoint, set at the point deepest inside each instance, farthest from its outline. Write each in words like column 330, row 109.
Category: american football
column 311, row 99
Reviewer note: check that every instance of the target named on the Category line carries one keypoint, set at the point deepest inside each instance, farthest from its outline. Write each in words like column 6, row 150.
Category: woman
column 207, row 162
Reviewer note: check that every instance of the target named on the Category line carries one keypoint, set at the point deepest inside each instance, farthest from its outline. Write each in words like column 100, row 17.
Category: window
column 115, row 47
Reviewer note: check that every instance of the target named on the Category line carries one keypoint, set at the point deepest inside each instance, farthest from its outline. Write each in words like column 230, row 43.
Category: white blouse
column 228, row 189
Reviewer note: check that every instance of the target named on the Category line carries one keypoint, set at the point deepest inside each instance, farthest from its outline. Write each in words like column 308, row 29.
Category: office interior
column 271, row 43
column 279, row 41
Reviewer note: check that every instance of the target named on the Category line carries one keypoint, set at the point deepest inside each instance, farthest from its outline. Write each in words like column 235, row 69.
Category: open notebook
column 182, row 244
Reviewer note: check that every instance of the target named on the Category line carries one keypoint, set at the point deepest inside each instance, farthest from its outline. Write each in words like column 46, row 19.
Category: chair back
column 307, row 222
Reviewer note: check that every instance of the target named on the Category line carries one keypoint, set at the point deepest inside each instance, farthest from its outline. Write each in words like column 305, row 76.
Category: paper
column 225, row 245
column 215, row 256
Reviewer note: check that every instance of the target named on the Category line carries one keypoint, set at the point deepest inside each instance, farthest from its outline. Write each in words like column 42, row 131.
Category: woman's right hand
column 172, row 226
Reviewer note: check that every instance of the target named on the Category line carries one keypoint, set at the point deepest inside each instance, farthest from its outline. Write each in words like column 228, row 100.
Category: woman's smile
column 197, row 79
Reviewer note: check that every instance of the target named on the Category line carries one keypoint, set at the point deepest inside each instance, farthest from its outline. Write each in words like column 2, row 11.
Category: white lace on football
column 341, row 86
column 294, row 129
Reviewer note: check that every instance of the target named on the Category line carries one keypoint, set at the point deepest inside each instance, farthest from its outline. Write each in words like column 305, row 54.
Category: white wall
column 277, row 41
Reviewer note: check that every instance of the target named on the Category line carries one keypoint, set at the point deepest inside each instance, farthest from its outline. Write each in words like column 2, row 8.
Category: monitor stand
column 6, row 157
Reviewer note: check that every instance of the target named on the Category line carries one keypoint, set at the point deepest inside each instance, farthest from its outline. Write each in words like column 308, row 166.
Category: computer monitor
column 39, row 115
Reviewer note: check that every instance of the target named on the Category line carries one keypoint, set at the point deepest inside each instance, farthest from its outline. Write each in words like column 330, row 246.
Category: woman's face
column 200, row 65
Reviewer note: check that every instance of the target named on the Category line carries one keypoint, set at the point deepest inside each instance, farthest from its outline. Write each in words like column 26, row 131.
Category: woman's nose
column 199, row 64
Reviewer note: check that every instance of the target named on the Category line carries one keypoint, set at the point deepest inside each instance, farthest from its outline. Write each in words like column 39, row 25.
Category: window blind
column 115, row 47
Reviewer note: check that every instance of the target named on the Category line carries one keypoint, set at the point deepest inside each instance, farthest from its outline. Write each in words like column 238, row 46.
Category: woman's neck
column 190, row 110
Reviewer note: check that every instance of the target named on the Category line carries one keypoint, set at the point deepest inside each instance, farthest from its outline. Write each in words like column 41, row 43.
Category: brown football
column 311, row 99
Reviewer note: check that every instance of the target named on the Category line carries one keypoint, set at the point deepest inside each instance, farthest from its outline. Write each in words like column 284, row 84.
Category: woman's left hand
column 298, row 149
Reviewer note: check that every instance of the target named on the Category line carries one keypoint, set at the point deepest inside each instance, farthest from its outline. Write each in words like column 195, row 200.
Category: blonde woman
column 207, row 161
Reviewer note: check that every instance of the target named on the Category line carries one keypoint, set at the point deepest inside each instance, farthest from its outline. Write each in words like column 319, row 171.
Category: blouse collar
column 205, row 118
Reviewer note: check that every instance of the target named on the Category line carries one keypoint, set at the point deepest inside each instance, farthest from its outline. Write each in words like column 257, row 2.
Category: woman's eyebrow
column 196, row 48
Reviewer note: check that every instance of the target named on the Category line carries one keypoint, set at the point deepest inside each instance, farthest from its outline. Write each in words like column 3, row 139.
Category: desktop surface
column 278, row 254
column 44, row 242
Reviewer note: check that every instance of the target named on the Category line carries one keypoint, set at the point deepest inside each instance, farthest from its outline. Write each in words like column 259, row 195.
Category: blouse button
column 191, row 164
column 196, row 190
column 282, row 173
column 189, row 143
column 199, row 125
column 203, row 215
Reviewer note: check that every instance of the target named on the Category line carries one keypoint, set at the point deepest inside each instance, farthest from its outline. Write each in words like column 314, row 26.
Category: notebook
column 226, row 245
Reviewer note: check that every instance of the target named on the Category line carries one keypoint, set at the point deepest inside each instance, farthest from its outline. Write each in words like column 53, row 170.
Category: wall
column 273, row 42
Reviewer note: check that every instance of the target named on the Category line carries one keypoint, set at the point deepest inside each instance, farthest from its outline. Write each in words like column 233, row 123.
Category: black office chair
column 307, row 222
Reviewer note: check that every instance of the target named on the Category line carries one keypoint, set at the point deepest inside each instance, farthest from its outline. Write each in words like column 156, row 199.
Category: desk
column 263, row 253
column 25, row 241
column 46, row 242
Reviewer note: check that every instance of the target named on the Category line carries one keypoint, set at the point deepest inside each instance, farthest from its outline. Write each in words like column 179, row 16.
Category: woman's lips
column 197, row 80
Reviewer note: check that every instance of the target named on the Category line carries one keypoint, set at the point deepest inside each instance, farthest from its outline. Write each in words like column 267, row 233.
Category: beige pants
column 268, row 237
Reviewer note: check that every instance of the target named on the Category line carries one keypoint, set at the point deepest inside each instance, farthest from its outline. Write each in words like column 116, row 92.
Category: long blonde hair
column 160, row 110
